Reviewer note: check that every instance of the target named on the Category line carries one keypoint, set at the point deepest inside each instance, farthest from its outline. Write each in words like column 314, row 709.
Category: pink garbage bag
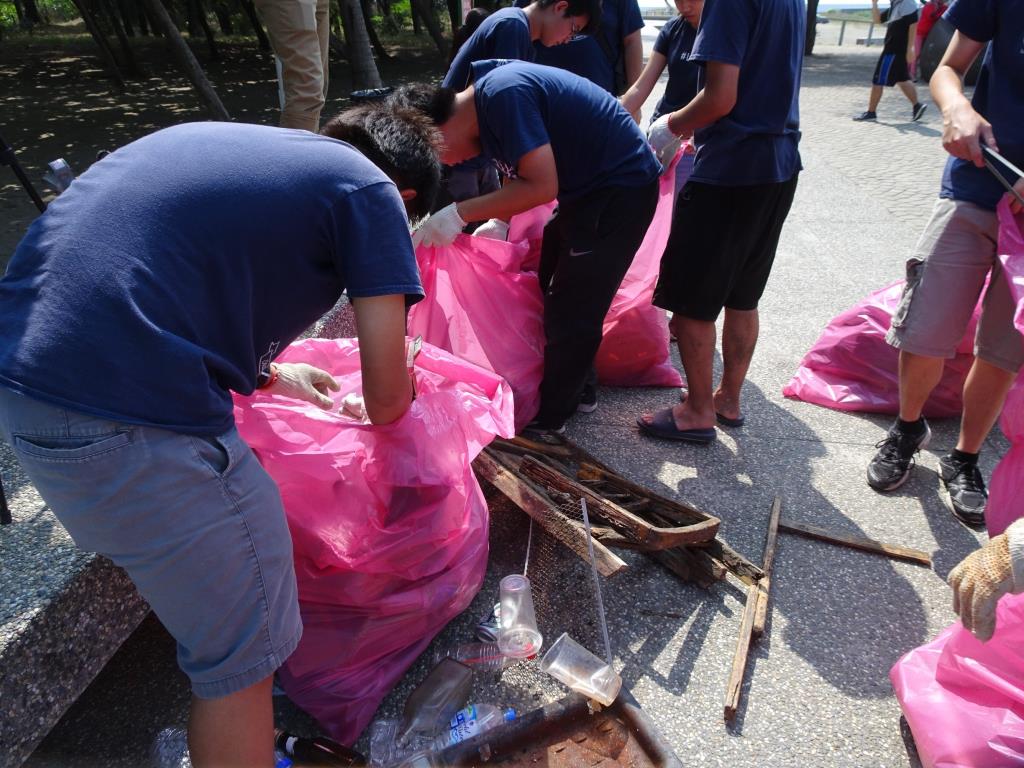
column 389, row 525
column 964, row 699
column 1006, row 491
column 527, row 229
column 635, row 349
column 481, row 307
column 852, row 368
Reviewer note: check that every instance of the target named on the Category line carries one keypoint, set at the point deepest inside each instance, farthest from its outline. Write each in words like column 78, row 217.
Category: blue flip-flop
column 725, row 421
column 663, row 426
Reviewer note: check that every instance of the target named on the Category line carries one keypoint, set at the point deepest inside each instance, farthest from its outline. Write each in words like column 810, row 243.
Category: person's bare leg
column 909, row 91
column 234, row 731
column 984, row 393
column 739, row 337
column 919, row 375
column 696, row 340
column 874, row 98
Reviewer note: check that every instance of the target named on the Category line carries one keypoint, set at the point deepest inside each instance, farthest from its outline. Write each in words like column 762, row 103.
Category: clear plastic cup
column 569, row 662
column 518, row 636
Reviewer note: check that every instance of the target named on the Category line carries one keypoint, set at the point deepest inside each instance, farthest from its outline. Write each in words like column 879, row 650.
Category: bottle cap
column 510, row 715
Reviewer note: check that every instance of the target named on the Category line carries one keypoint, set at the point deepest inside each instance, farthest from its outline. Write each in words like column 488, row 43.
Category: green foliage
column 52, row 11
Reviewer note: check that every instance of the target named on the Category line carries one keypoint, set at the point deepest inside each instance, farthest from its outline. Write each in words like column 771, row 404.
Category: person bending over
column 168, row 276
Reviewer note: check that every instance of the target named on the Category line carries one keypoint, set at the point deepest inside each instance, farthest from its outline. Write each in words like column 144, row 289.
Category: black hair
column 400, row 141
column 436, row 103
column 474, row 18
column 592, row 9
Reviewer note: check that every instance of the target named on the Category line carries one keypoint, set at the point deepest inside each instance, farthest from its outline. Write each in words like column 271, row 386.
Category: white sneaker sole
column 586, row 407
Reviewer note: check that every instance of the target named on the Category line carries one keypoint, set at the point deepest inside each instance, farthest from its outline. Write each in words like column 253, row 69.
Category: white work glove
column 302, row 382
column 439, row 228
column 664, row 143
column 494, row 229
column 986, row 575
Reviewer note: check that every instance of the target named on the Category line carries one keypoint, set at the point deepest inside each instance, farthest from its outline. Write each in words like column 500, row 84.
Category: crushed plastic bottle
column 467, row 723
column 435, row 701
column 170, row 750
column 480, row 657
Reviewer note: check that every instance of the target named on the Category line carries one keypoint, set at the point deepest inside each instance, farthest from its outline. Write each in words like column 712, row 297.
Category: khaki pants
column 299, row 31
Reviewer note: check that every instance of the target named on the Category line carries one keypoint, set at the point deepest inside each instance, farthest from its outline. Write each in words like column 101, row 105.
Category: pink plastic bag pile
column 964, row 699
column 635, row 349
column 389, row 525
column 480, row 306
column 483, row 303
column 851, row 367
column 1006, row 491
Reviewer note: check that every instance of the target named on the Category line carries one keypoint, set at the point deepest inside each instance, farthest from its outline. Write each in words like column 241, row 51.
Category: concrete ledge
column 63, row 614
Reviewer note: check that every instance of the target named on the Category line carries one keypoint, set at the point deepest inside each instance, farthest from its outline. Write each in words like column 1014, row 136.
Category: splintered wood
column 537, row 477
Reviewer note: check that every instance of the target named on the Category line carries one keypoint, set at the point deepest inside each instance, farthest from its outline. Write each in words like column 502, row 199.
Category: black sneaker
column 865, row 116
column 891, row 465
column 965, row 490
column 540, row 432
column 588, row 400
column 917, row 111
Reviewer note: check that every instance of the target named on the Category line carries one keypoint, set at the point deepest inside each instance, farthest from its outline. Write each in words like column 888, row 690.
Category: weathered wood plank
column 764, row 586
column 894, row 551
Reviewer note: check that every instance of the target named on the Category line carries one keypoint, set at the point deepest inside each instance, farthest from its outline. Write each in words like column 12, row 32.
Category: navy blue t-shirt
column 675, row 41
column 176, row 268
column 522, row 106
column 998, row 95
column 758, row 141
column 585, row 56
column 505, row 34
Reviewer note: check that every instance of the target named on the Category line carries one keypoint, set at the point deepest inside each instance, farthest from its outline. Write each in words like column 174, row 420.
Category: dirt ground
column 56, row 100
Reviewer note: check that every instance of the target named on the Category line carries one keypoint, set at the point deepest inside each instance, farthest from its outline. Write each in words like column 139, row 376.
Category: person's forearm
column 637, row 93
column 633, row 51
column 876, row 15
column 516, row 196
column 703, row 110
column 947, row 88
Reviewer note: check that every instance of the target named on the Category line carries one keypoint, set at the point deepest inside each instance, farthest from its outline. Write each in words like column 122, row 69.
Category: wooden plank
column 764, row 586
column 894, row 551
column 739, row 659
column 534, row 503
column 632, row 526
column 611, row 481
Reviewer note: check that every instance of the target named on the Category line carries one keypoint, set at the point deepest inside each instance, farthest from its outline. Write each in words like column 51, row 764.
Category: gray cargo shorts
column 195, row 521
column 945, row 277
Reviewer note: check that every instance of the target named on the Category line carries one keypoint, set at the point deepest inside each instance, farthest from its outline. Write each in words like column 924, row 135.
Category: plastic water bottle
column 170, row 750
column 480, row 657
column 467, row 723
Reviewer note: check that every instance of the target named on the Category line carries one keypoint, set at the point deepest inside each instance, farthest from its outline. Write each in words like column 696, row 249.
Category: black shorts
column 722, row 247
column 891, row 68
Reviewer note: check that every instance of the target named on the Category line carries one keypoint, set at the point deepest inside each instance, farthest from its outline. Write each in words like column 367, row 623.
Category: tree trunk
column 364, row 68
column 32, row 12
column 416, row 25
column 162, row 21
column 197, row 11
column 455, row 14
column 426, row 13
column 378, row 47
column 254, row 20
column 223, row 14
column 812, row 27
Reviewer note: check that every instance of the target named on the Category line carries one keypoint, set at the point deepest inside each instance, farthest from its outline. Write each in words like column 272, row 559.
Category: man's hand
column 986, row 575
column 963, row 131
column 440, row 228
column 663, row 141
column 494, row 229
column 1015, row 204
column 303, row 382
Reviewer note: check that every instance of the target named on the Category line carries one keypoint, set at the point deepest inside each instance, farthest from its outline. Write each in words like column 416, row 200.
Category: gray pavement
column 817, row 689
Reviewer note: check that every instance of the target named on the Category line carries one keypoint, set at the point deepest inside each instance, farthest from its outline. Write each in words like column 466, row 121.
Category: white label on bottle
column 463, row 726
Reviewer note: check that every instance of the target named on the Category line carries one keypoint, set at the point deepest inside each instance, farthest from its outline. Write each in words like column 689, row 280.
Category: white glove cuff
column 1015, row 543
